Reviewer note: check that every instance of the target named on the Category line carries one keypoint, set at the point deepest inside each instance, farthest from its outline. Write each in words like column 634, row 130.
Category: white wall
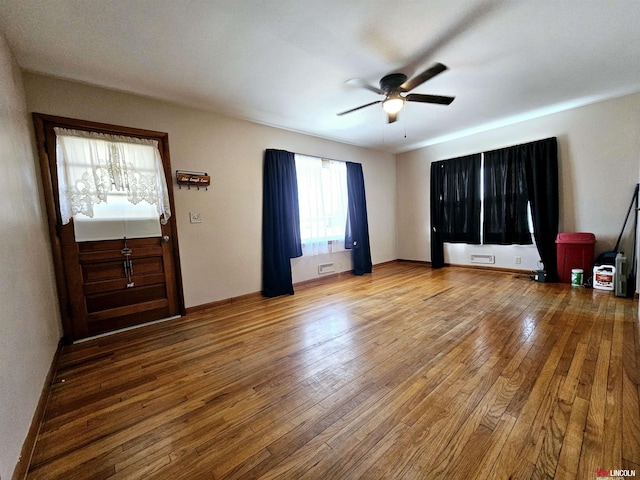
column 29, row 323
column 221, row 257
column 599, row 155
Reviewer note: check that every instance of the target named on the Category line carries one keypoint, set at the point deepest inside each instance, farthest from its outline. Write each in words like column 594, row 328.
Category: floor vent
column 483, row 259
column 326, row 268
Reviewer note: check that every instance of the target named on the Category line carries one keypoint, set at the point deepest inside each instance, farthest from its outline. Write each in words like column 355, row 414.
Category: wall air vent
column 326, row 268
column 487, row 259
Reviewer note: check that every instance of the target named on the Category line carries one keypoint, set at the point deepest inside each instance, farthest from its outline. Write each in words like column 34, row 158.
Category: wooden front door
column 107, row 285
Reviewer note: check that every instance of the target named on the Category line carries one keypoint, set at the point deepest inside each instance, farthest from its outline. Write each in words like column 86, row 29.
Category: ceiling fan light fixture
column 393, row 104
column 392, row 86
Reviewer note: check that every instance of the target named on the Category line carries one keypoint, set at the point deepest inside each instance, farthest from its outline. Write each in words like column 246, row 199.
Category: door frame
column 45, row 143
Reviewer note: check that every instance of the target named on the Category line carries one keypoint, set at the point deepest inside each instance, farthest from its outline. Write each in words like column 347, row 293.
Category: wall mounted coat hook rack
column 195, row 179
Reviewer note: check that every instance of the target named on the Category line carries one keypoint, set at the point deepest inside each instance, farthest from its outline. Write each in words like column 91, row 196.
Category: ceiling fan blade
column 392, row 117
column 358, row 108
column 358, row 82
column 439, row 99
column 422, row 77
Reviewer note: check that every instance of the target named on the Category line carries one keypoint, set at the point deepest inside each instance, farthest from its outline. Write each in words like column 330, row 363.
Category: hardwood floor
column 406, row 373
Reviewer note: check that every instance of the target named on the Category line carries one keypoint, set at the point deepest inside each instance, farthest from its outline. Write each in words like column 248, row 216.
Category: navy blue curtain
column 455, row 204
column 280, row 222
column 541, row 168
column 506, row 218
column 357, row 231
column 435, row 206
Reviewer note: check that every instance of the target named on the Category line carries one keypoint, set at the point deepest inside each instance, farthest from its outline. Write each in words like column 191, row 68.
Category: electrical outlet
column 518, row 260
column 194, row 217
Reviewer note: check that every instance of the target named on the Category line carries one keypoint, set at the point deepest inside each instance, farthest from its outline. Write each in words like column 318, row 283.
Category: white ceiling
column 285, row 62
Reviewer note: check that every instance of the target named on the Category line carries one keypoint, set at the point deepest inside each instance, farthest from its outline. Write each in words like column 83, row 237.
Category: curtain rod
column 519, row 144
column 316, row 156
column 323, row 158
column 496, row 149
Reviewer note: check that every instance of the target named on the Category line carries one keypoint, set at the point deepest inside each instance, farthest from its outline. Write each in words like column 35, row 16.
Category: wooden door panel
column 146, row 245
column 121, row 283
column 107, row 321
column 101, row 271
column 125, row 297
column 91, row 252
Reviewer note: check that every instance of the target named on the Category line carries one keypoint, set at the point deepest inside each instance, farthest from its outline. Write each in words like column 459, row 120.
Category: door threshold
column 126, row 329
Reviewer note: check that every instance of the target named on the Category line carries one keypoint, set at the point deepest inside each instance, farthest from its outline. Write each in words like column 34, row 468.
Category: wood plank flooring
column 407, row 373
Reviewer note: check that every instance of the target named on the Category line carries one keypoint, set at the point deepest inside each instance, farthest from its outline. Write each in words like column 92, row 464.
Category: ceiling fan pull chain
column 405, row 122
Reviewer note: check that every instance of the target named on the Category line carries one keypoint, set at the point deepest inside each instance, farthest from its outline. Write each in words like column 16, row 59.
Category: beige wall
column 221, row 257
column 599, row 153
column 29, row 322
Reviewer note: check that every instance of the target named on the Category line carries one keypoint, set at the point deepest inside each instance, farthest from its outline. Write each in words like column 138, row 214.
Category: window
column 539, row 162
column 117, row 218
column 482, row 199
column 112, row 186
column 322, row 198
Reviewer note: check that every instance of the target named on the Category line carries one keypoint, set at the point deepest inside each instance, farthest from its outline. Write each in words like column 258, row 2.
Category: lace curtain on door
column 95, row 168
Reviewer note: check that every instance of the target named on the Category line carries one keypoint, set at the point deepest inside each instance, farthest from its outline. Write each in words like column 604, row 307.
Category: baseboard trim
column 382, row 264
column 490, row 269
column 26, row 454
column 225, row 301
column 418, row 262
column 297, row 285
column 321, row 280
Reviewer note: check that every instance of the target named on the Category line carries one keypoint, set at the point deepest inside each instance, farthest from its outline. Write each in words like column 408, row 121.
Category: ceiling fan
column 392, row 86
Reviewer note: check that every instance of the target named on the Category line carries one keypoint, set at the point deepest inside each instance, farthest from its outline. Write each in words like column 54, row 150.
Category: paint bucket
column 603, row 276
column 576, row 277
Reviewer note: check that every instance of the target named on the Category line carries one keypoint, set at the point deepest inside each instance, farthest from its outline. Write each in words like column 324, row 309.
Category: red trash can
column 575, row 250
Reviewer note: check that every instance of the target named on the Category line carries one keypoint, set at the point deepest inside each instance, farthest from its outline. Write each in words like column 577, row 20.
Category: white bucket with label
column 576, row 277
column 603, row 277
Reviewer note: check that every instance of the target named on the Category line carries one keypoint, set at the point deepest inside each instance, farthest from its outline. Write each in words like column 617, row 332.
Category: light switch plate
column 194, row 217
